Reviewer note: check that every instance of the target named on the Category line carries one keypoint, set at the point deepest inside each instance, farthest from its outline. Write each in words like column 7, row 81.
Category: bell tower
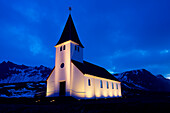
column 68, row 48
column 69, row 35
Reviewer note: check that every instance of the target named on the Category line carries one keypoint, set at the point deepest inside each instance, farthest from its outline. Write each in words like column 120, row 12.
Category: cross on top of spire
column 70, row 9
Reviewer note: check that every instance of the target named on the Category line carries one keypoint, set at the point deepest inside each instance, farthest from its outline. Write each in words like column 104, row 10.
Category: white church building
column 72, row 76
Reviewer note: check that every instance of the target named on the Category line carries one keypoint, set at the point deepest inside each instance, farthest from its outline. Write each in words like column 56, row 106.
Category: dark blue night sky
column 119, row 35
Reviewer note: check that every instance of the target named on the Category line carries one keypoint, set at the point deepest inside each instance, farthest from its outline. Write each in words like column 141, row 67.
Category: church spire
column 69, row 33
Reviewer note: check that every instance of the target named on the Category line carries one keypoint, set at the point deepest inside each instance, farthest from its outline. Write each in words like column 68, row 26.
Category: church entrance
column 62, row 88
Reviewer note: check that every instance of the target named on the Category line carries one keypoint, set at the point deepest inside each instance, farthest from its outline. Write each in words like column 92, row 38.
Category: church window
column 78, row 49
column 89, row 82
column 112, row 85
column 62, row 65
column 75, row 47
column 116, row 86
column 101, row 84
column 61, row 48
column 107, row 85
column 64, row 47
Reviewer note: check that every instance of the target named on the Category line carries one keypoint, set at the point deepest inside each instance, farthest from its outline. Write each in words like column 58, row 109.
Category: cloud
column 22, row 37
column 35, row 45
column 31, row 12
column 137, row 59
column 129, row 53
column 164, row 51
column 167, row 76
column 157, row 68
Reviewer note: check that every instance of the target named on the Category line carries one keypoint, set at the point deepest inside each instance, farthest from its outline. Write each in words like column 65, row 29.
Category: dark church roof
column 70, row 33
column 88, row 68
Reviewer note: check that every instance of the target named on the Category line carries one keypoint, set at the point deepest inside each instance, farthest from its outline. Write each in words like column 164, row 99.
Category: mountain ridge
column 13, row 73
column 143, row 80
column 134, row 80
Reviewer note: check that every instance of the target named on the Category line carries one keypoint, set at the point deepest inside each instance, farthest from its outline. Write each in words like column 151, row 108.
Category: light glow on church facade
column 72, row 76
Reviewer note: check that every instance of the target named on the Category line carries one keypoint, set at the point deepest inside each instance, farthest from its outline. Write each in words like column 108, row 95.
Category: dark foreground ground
column 138, row 104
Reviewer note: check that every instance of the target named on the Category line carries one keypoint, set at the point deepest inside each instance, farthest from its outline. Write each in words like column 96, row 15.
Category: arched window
column 61, row 48
column 116, row 86
column 112, row 85
column 89, row 83
column 64, row 47
column 78, row 49
column 75, row 47
column 101, row 84
column 107, row 85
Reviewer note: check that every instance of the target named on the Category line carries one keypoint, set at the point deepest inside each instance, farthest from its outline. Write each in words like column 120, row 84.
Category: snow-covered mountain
column 143, row 80
column 13, row 73
column 135, row 79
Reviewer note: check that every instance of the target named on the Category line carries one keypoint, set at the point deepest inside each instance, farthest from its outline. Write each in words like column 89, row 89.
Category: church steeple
column 69, row 33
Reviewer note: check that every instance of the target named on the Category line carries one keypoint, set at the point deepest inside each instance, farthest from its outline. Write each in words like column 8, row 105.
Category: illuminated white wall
column 80, row 88
column 75, row 54
column 63, row 74
column 119, row 91
column 95, row 91
column 90, row 90
column 77, row 82
column 50, row 84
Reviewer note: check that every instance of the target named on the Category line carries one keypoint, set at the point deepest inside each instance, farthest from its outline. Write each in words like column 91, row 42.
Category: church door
column 62, row 88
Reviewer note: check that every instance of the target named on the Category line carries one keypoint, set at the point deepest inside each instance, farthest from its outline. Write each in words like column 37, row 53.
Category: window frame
column 101, row 84
column 107, row 84
column 112, row 85
column 89, row 82
column 117, row 86
column 78, row 48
